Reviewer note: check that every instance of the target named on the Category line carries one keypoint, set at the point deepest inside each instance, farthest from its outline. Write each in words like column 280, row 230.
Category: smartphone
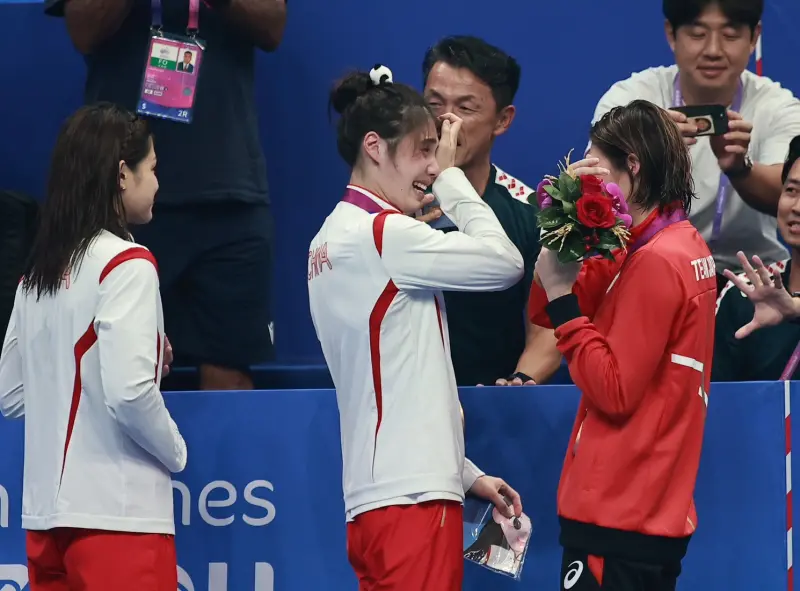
column 709, row 119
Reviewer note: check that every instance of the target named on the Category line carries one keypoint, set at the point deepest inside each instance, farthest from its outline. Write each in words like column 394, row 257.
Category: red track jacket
column 638, row 337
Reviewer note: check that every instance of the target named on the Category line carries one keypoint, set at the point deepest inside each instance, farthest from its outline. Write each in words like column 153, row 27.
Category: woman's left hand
column 497, row 491
column 557, row 278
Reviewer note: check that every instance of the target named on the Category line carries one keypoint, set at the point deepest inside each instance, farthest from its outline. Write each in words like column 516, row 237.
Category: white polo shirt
column 375, row 281
column 775, row 115
column 84, row 367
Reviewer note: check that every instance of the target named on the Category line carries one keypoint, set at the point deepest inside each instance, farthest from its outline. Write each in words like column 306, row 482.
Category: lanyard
column 724, row 183
column 788, row 371
column 791, row 366
column 194, row 15
column 360, row 200
column 655, row 227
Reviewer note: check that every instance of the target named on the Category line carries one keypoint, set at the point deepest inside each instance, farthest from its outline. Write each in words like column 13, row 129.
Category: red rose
column 591, row 185
column 596, row 211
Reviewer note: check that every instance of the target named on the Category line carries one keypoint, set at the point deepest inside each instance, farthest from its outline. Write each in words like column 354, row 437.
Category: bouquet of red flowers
column 581, row 217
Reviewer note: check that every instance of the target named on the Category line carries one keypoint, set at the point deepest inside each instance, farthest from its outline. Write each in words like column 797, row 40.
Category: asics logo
column 13, row 577
column 573, row 574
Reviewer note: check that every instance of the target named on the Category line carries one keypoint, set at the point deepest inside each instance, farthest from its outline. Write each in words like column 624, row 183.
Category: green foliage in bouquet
column 581, row 217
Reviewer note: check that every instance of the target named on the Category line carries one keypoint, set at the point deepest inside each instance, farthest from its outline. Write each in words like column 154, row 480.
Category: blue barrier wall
column 570, row 54
column 260, row 505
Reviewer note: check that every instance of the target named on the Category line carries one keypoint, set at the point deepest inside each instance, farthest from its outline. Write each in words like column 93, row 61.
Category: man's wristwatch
column 740, row 171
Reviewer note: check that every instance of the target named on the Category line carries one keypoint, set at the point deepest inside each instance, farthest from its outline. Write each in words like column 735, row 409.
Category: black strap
column 518, row 374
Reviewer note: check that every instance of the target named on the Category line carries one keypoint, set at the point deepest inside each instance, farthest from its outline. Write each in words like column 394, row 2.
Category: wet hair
column 739, row 12
column 83, row 190
column 791, row 158
column 492, row 66
column 389, row 109
column 642, row 129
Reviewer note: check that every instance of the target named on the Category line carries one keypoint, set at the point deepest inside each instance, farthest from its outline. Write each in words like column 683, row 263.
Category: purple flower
column 626, row 219
column 617, row 198
column 542, row 196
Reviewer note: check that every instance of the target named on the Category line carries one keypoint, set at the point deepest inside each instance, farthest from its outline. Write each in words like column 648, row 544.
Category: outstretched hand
column 772, row 302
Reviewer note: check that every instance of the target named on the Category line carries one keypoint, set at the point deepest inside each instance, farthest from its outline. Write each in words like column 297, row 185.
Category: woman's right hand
column 588, row 167
column 448, row 141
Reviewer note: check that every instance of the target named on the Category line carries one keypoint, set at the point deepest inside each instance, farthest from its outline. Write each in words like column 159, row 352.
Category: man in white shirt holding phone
column 737, row 175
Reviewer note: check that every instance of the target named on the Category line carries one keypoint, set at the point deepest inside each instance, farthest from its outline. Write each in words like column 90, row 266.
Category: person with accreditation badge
column 736, row 165
column 757, row 335
column 375, row 282
column 737, row 162
column 188, row 66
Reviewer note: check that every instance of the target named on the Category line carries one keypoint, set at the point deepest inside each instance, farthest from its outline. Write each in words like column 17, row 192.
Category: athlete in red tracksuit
column 637, row 334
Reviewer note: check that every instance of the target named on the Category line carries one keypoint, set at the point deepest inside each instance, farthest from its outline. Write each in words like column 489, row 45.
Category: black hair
column 83, row 190
column 493, row 66
column 739, row 12
column 389, row 109
column 791, row 158
column 645, row 131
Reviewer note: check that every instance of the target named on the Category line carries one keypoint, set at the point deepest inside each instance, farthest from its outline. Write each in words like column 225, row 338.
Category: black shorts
column 215, row 266
column 582, row 572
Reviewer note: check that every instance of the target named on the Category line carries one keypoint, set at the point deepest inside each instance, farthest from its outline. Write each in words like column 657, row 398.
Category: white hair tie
column 380, row 75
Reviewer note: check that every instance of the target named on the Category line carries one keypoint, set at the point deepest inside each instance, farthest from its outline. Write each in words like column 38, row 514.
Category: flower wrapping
column 581, row 216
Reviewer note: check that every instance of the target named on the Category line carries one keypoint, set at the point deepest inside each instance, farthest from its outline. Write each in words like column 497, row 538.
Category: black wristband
column 562, row 310
column 518, row 374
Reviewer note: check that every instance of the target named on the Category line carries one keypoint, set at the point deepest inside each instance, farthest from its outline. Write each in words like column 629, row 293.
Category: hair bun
column 380, row 75
column 346, row 92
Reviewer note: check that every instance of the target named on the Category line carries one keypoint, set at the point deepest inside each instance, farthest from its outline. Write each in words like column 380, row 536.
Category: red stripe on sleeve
column 137, row 252
column 377, row 229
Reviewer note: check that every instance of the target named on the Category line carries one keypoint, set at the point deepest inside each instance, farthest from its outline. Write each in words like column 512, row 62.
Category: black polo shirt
column 487, row 330
column 761, row 356
column 217, row 157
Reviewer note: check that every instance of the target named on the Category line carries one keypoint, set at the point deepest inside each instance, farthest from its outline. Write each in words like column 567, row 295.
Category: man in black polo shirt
column 212, row 226
column 476, row 81
column 764, row 346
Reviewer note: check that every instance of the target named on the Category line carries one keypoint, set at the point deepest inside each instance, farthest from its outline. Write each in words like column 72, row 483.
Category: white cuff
column 452, row 186
column 180, row 446
column 470, row 474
